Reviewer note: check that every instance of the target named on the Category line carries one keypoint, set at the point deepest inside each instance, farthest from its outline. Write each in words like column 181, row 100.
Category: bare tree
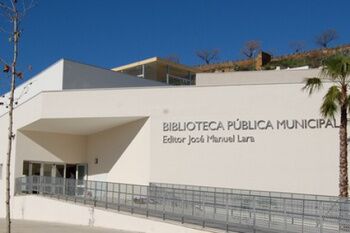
column 208, row 55
column 14, row 12
column 251, row 48
column 173, row 58
column 326, row 37
column 297, row 46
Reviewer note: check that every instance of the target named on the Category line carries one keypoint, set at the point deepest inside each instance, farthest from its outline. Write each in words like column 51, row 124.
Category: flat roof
column 158, row 60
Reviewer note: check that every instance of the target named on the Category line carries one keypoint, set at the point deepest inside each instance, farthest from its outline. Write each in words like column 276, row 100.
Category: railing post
column 227, row 212
column 340, row 217
column 183, row 207
column 64, row 187
column 173, row 200
column 31, row 184
column 113, row 195
column 119, row 197
column 192, row 202
column 75, row 190
column 302, row 217
column 254, row 213
column 203, row 216
column 163, row 206
column 148, row 199
column 95, row 192
column 270, row 207
column 214, row 201
column 241, row 208
column 321, row 217
column 41, row 185
column 85, row 191
column 285, row 215
column 106, row 195
column 132, row 199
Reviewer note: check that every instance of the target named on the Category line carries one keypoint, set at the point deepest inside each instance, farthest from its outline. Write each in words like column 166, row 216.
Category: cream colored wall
column 26, row 208
column 303, row 161
column 24, row 114
column 49, row 147
column 255, row 77
column 123, row 153
column 2, row 195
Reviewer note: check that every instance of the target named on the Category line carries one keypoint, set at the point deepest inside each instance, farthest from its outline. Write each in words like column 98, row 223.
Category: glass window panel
column 81, row 172
column 48, row 170
column 59, row 170
column 36, row 169
column 25, row 168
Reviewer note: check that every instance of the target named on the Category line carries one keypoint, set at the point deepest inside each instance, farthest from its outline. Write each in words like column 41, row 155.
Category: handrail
column 227, row 211
column 249, row 192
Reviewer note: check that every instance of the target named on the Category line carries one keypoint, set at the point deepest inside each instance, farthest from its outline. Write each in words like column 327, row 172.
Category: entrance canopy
column 79, row 126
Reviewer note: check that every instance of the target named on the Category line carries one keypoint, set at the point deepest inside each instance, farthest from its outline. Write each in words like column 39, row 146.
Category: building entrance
column 48, row 169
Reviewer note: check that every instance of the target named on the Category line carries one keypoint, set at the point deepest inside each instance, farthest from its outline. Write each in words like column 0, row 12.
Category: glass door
column 35, row 172
column 81, row 176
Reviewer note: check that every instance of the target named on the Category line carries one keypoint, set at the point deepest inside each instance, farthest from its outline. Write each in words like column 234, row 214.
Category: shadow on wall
column 107, row 146
column 55, row 147
column 119, row 144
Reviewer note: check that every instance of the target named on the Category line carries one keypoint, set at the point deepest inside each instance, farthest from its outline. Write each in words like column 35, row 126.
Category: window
column 36, row 169
column 26, row 168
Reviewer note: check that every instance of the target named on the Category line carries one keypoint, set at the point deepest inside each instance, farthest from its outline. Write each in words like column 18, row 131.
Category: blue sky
column 109, row 33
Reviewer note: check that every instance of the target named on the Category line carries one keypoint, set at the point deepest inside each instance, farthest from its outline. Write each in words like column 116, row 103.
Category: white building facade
column 251, row 130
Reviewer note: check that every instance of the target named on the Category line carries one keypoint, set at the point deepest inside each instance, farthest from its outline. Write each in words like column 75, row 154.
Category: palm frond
column 312, row 84
column 331, row 102
column 336, row 68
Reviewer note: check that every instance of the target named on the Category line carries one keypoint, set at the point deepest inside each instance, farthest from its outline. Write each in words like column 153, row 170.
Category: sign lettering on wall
column 210, row 129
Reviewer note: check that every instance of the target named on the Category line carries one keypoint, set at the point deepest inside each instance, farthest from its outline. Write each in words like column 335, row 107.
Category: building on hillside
column 245, row 130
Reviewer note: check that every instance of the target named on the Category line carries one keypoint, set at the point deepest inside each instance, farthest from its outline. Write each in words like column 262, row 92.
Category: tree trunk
column 343, row 158
column 10, row 128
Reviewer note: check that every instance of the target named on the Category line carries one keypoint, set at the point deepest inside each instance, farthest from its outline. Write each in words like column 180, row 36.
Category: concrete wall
column 2, row 193
column 80, row 76
column 49, row 79
column 255, row 77
column 123, row 154
column 295, row 160
column 49, row 147
column 289, row 160
column 26, row 208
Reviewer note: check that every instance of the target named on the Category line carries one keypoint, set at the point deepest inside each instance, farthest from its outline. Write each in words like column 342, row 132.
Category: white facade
column 261, row 134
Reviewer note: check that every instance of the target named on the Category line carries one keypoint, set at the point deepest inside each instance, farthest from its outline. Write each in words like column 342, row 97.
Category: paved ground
column 20, row 226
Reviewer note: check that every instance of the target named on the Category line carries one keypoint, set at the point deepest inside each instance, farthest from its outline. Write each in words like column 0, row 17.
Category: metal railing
column 175, row 80
column 247, row 191
column 234, row 212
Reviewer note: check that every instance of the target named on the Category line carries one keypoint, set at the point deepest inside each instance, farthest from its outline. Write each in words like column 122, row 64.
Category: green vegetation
column 312, row 62
column 336, row 69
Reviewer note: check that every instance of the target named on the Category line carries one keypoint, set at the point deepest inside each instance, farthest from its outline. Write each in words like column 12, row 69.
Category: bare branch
column 251, row 48
column 326, row 37
column 208, row 55
column 6, row 7
column 5, row 63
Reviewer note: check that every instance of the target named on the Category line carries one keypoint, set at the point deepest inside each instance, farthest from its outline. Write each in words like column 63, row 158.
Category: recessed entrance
column 48, row 169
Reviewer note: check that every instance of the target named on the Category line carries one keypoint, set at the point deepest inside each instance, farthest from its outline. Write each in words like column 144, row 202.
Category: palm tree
column 336, row 69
